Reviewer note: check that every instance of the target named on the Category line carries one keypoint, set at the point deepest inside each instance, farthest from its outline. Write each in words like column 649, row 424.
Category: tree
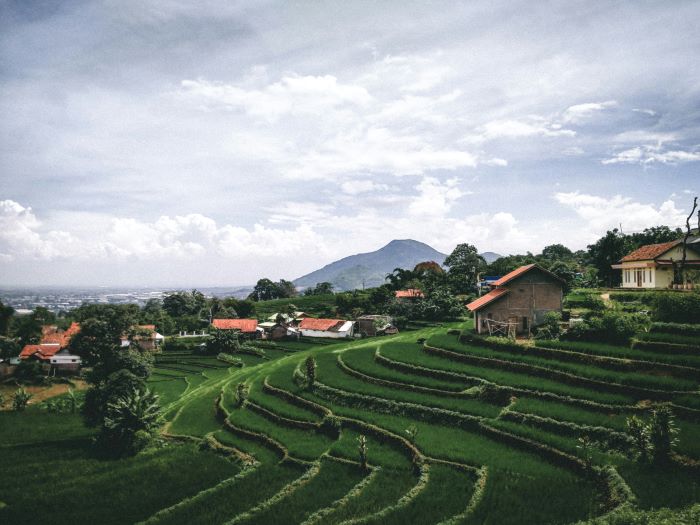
column 324, row 288
column 223, row 341
column 27, row 329
column 639, row 432
column 464, row 264
column 310, row 364
column 681, row 267
column 662, row 430
column 264, row 290
column 243, row 309
column 99, row 339
column 9, row 347
column 565, row 271
column 607, row 251
column 557, row 252
column 129, row 422
column 6, row 313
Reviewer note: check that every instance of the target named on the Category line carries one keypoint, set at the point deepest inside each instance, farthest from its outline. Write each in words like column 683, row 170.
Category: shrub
column 362, row 450
column 676, row 328
column 551, row 328
column 662, row 430
column 30, row 370
column 242, row 392
column 310, row 364
column 638, row 431
column 609, row 327
column 678, row 307
column 129, row 423
column 228, row 358
column 20, row 400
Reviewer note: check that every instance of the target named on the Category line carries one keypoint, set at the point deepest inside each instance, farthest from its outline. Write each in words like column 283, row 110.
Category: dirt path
column 39, row 393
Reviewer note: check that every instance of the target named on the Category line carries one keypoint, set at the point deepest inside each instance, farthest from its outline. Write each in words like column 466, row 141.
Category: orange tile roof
column 650, row 251
column 42, row 351
column 515, row 273
column 244, row 325
column 487, row 299
column 323, row 325
column 411, row 292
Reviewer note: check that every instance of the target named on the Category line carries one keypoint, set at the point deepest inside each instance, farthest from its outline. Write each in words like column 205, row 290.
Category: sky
column 211, row 143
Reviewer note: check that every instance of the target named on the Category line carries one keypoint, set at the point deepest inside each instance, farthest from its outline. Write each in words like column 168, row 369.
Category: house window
column 525, row 320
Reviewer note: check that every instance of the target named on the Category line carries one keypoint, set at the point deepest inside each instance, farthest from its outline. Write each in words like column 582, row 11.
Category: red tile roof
column 411, row 292
column 244, row 325
column 42, row 351
column 52, row 335
column 650, row 251
column 487, row 299
column 521, row 271
column 323, row 325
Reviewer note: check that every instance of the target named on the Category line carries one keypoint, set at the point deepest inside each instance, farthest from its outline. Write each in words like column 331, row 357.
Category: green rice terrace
column 423, row 427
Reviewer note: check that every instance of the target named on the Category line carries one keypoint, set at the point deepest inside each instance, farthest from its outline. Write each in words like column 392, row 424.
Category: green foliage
column 129, row 422
column 464, row 264
column 676, row 328
column 324, row 288
column 310, row 365
column 118, row 384
column 182, row 304
column 609, row 327
column 551, row 328
column 20, row 399
column 266, row 290
column 242, row 391
column 9, row 347
column 638, row 431
column 223, row 342
column 362, row 450
column 6, row 313
column 30, row 371
column 677, row 307
column 228, row 358
column 662, row 432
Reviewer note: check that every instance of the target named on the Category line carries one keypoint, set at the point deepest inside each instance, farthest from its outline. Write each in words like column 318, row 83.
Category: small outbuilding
column 518, row 301
column 329, row 328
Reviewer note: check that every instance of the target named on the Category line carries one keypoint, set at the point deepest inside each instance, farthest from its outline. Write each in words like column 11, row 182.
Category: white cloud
column 649, row 112
column 519, row 129
column 290, row 95
column 362, row 186
column 182, row 237
column 649, row 154
column 581, row 112
column 435, row 198
column 601, row 213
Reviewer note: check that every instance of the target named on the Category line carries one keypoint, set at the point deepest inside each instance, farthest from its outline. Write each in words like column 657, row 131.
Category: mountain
column 371, row 268
column 489, row 257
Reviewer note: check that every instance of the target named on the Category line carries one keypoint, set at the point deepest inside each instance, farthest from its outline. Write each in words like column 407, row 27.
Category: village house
column 410, row 294
column 145, row 336
column 292, row 319
column 372, row 325
column 654, row 265
column 330, row 328
column 277, row 331
column 247, row 327
column 52, row 351
column 518, row 301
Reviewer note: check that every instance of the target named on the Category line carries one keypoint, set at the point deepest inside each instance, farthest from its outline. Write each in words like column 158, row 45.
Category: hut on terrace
column 518, row 302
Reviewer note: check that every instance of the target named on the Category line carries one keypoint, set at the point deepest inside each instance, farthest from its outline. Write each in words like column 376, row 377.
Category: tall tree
column 607, row 251
column 464, row 264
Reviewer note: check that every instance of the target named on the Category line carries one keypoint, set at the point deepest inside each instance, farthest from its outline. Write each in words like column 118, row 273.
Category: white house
column 331, row 328
column 652, row 266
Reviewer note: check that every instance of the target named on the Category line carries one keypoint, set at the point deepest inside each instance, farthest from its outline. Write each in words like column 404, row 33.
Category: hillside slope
column 371, row 268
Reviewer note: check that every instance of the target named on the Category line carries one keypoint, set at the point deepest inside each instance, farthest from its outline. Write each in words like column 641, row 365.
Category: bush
column 551, row 328
column 608, row 327
column 678, row 307
column 21, row 399
column 676, row 328
column 129, row 423
column 30, row 370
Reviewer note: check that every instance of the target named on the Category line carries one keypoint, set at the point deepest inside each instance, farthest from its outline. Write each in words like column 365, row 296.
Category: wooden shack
column 518, row 302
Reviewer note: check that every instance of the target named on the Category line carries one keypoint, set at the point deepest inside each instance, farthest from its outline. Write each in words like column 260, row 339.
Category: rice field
column 453, row 433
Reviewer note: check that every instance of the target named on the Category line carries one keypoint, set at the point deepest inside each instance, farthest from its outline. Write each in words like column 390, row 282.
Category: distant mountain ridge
column 370, row 269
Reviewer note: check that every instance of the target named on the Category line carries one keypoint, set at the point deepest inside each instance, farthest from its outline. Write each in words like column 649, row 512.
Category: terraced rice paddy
column 455, row 433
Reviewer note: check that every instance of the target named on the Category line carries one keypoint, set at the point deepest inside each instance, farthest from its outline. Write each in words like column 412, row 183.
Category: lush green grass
column 693, row 340
column 42, row 450
column 331, row 483
column 60, row 481
column 623, row 352
column 580, row 370
column 412, row 354
column 311, row 304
